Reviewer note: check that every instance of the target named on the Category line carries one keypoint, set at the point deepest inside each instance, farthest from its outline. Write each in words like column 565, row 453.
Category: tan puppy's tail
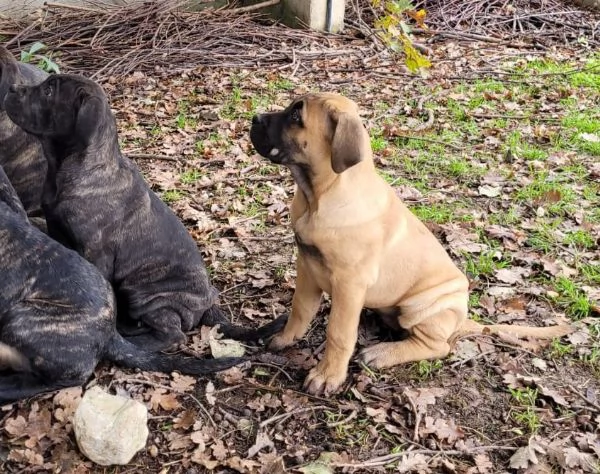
column 471, row 327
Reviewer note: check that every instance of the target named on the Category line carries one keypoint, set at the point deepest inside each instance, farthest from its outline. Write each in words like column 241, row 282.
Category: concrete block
column 315, row 14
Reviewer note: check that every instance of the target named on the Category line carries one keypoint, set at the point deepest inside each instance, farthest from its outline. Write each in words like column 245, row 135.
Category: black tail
column 129, row 355
column 214, row 316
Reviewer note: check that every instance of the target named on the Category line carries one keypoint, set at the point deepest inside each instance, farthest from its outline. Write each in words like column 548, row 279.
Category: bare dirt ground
column 497, row 150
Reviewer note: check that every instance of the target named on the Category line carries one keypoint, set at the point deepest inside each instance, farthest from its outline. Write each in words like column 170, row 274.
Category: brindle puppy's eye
column 48, row 91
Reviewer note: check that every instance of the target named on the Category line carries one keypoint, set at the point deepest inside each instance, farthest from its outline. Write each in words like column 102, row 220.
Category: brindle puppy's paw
column 323, row 381
column 378, row 356
column 281, row 341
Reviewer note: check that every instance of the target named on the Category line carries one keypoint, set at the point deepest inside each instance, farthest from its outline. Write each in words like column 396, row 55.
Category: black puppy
column 57, row 318
column 96, row 202
column 20, row 153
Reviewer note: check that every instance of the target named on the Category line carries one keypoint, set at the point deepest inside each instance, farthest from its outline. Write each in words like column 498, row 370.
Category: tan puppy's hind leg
column 428, row 340
column 305, row 305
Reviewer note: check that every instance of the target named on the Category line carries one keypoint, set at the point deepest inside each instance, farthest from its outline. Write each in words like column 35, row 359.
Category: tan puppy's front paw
column 377, row 356
column 321, row 381
column 281, row 341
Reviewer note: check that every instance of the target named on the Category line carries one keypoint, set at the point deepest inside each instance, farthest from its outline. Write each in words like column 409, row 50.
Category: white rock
column 110, row 429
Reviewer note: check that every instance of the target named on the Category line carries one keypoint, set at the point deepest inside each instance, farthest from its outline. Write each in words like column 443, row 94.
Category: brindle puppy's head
column 64, row 107
column 13, row 72
column 9, row 73
column 320, row 132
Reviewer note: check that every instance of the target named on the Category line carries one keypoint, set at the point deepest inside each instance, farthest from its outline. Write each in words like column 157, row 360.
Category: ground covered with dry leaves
column 498, row 151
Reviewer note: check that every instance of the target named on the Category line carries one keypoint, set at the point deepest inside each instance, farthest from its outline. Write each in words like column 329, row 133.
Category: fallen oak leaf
column 510, row 276
column 575, row 458
column 442, row 429
column 526, row 455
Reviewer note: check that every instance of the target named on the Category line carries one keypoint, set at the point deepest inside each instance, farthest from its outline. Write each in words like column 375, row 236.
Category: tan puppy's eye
column 295, row 116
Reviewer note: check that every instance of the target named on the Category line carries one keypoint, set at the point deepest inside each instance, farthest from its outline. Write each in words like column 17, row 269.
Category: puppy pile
column 113, row 253
column 116, row 276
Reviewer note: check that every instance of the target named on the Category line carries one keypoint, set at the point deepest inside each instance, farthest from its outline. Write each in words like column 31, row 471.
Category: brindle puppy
column 57, row 317
column 20, row 153
column 96, row 202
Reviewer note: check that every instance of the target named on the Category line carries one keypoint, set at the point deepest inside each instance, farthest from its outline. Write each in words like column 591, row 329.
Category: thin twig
column 285, row 416
column 257, row 6
column 383, row 460
column 586, row 399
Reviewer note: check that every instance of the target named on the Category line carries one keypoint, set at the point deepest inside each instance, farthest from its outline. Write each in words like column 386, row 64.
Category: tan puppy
column 360, row 244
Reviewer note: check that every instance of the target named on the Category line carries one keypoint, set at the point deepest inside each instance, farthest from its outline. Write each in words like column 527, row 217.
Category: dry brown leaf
column 443, row 429
column 182, row 383
column 413, row 463
column 379, row 415
column 526, row 455
column 575, row 458
column 26, row 456
column 184, row 420
column 178, row 441
column 509, row 275
column 422, row 397
column 16, row 427
column 219, row 450
column 483, row 463
column 202, row 457
column 166, row 401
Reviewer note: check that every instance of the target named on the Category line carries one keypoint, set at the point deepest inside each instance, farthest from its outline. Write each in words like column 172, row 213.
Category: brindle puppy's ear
column 348, row 143
column 9, row 73
column 89, row 117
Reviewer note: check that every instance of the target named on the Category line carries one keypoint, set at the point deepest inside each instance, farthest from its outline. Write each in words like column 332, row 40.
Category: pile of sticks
column 150, row 36
column 534, row 22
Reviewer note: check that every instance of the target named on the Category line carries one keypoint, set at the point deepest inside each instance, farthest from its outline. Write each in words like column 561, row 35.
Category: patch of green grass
column 378, row 144
column 582, row 122
column 591, row 272
column 280, row 84
column 184, row 119
column 486, row 263
column 171, row 195
column 559, row 350
column 557, row 198
column 572, row 299
column 507, row 217
column 438, row 213
column 457, row 110
column 580, row 239
column 489, row 85
column 521, row 148
column 545, row 66
column 543, row 239
column 589, row 77
column 427, row 368
column 525, row 414
column 190, row 176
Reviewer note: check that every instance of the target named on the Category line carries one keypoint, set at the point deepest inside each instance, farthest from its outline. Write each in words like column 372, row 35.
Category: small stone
column 110, row 429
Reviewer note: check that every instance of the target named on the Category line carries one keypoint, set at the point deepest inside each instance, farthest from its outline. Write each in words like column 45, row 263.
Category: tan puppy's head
column 319, row 133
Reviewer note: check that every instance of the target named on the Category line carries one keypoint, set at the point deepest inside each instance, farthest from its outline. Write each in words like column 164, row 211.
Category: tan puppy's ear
column 349, row 143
